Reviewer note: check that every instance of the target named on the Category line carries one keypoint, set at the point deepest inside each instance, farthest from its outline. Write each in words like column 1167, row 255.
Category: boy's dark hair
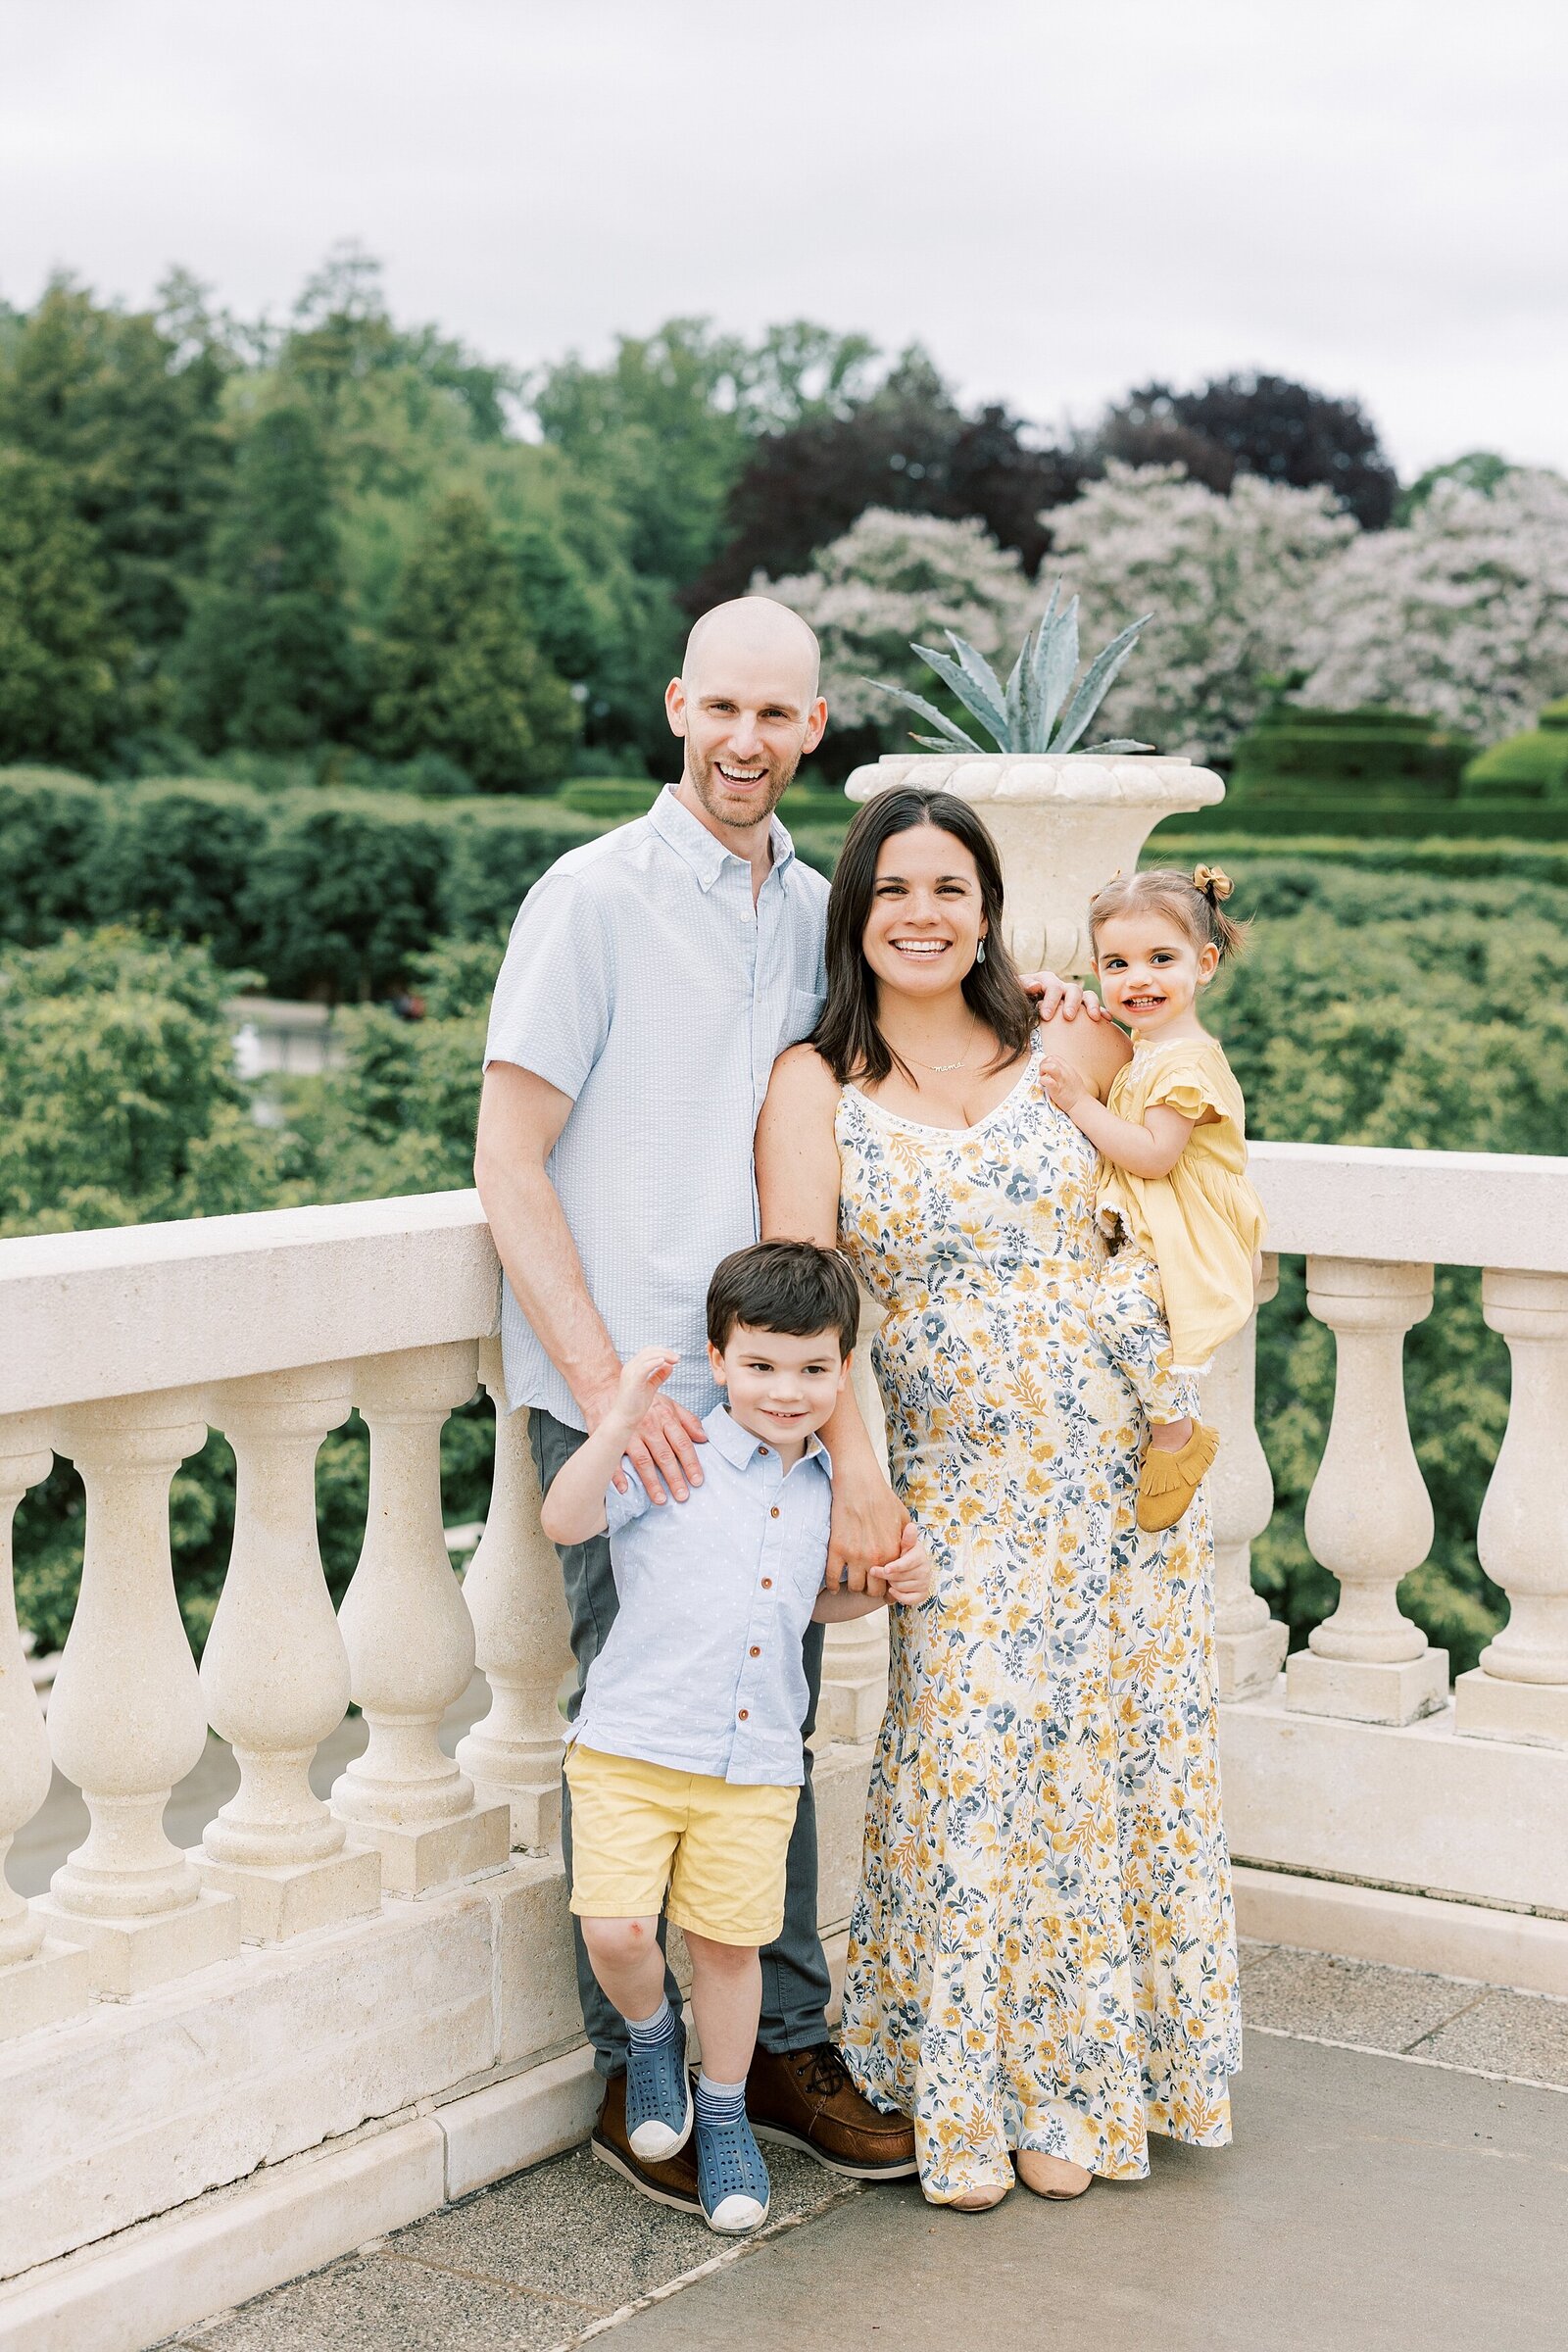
column 791, row 1287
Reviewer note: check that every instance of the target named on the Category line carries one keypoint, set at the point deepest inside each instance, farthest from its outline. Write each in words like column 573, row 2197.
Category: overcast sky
column 1059, row 199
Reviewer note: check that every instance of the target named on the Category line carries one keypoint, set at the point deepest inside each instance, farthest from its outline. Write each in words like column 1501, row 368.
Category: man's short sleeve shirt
column 641, row 980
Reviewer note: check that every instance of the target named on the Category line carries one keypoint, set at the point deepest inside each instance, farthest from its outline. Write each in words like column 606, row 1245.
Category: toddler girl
column 1183, row 1222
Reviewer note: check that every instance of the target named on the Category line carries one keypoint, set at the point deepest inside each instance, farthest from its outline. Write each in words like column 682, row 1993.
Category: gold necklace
column 941, row 1068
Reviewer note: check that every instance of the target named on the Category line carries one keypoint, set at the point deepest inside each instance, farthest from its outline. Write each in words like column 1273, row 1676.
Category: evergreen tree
column 460, row 670
column 268, row 663
column 60, row 656
column 126, row 405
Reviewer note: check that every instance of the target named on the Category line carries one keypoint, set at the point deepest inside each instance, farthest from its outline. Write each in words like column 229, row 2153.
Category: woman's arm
column 797, row 1192
column 909, row 1580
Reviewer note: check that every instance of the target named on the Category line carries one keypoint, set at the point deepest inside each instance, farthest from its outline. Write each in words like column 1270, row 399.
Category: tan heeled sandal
column 1057, row 2186
column 1167, row 1482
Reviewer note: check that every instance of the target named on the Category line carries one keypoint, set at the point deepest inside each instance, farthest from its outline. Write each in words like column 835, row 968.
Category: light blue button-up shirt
column 703, row 1670
column 641, row 980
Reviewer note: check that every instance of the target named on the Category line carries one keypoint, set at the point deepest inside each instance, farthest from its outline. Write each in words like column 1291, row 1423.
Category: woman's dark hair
column 793, row 1287
column 847, row 1036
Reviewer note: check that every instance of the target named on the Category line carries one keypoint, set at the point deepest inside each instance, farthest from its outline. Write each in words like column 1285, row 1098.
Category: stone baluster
column 41, row 1980
column 1249, row 1644
column 126, row 1715
column 276, row 1672
column 1520, row 1688
column 855, row 1655
column 522, row 1636
column 411, row 1639
column 1368, row 1516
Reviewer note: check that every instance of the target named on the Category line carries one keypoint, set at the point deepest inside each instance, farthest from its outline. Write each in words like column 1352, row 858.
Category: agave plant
column 1027, row 715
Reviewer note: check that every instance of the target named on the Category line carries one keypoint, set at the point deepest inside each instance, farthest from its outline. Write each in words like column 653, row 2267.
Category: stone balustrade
column 400, row 1949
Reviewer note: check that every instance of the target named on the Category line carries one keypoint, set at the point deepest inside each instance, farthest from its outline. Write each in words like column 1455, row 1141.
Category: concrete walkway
column 1408, row 2189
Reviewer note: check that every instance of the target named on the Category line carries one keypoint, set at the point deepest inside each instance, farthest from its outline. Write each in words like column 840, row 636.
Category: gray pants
column 795, row 1979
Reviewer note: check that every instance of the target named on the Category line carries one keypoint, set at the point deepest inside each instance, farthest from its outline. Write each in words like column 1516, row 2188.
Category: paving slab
column 376, row 2303
column 574, row 2229
column 1373, row 2200
column 1524, row 2035
column 1295, row 1992
column 1369, row 2204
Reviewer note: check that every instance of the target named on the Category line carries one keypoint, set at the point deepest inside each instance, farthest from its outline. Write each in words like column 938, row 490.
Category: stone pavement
column 1399, row 2176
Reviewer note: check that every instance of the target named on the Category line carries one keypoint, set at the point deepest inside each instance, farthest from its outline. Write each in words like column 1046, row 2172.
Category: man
column 652, row 979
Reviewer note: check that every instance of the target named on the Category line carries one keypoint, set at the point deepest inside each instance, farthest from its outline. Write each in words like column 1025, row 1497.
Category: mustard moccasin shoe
column 1167, row 1482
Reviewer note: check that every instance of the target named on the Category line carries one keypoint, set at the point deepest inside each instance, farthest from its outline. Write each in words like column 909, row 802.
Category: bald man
column 652, row 979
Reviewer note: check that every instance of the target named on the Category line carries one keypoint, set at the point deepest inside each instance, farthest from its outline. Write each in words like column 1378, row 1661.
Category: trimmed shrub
column 1533, row 766
column 345, row 889
column 180, row 856
column 50, row 828
column 610, row 798
column 1351, row 762
column 1318, row 854
column 498, row 851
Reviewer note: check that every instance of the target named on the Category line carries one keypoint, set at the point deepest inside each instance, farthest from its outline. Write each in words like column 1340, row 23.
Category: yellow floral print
column 1043, row 1949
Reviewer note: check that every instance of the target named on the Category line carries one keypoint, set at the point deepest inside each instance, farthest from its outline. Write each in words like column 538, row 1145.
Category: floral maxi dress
column 1042, row 1952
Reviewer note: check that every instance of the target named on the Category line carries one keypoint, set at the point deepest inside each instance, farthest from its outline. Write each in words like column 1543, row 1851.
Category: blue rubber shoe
column 731, row 2178
column 659, row 2098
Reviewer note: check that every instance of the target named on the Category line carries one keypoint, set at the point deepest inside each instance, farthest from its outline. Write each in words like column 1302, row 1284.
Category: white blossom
column 1462, row 615
column 893, row 578
column 1229, row 581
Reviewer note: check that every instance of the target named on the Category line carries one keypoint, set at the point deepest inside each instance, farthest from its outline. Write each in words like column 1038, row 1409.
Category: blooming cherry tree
column 1462, row 615
column 892, row 579
column 1229, row 579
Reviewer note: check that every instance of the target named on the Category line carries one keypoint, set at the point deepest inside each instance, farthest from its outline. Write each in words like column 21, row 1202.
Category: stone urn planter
column 1063, row 823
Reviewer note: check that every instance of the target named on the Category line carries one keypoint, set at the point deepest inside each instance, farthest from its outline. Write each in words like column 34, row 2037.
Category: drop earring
column 980, row 952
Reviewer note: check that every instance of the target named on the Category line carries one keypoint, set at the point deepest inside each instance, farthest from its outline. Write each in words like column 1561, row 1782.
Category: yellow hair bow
column 1213, row 881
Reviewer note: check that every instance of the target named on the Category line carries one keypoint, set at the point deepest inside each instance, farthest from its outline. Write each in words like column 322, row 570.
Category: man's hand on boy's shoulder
column 662, row 1436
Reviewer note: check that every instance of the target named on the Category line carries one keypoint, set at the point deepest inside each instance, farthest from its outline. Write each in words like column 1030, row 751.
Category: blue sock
column 719, row 2103
column 647, row 2032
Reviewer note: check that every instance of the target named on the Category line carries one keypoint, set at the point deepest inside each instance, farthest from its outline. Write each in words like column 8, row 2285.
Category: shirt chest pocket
column 805, row 1012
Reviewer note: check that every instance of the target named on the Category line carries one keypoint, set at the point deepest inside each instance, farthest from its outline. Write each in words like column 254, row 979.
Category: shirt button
column 761, row 1454
column 767, row 1584
column 753, row 1651
column 743, row 1714
column 774, row 1514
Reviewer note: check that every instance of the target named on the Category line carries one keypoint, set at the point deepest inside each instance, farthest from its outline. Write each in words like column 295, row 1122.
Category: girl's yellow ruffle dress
column 1042, row 1952
column 1202, row 1224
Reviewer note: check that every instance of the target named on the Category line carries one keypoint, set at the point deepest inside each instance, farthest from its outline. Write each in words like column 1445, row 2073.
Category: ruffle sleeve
column 1189, row 1086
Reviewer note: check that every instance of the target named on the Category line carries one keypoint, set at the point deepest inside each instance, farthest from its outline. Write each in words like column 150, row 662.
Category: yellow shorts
column 718, row 1849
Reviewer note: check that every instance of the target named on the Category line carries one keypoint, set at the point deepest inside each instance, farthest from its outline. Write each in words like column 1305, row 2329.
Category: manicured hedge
column 51, row 825
column 1446, row 860
column 1498, row 817
column 1346, row 758
column 323, row 892
column 1534, row 763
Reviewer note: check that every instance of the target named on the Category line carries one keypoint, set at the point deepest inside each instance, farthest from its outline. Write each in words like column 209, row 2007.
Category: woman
column 1042, row 1956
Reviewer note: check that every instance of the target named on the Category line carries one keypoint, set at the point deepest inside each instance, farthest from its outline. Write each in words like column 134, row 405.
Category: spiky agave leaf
column 1055, row 660
column 1118, row 743
column 1095, row 684
column 950, row 738
column 979, row 704
column 1023, row 688
column 987, row 683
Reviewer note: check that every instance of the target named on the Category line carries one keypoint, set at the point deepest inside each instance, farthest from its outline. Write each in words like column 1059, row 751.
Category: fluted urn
column 1063, row 824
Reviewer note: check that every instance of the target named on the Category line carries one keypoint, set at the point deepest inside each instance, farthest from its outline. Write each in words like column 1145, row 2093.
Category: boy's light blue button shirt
column 703, row 1670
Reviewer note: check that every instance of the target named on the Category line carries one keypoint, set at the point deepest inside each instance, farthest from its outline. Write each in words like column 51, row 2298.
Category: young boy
column 685, row 1762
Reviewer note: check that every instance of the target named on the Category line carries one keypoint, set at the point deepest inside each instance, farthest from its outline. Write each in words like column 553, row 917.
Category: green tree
column 128, row 406
column 61, row 656
column 459, row 669
column 268, row 663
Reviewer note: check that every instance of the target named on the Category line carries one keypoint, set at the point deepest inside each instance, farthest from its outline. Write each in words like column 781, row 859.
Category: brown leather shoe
column 670, row 2183
column 806, row 2099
